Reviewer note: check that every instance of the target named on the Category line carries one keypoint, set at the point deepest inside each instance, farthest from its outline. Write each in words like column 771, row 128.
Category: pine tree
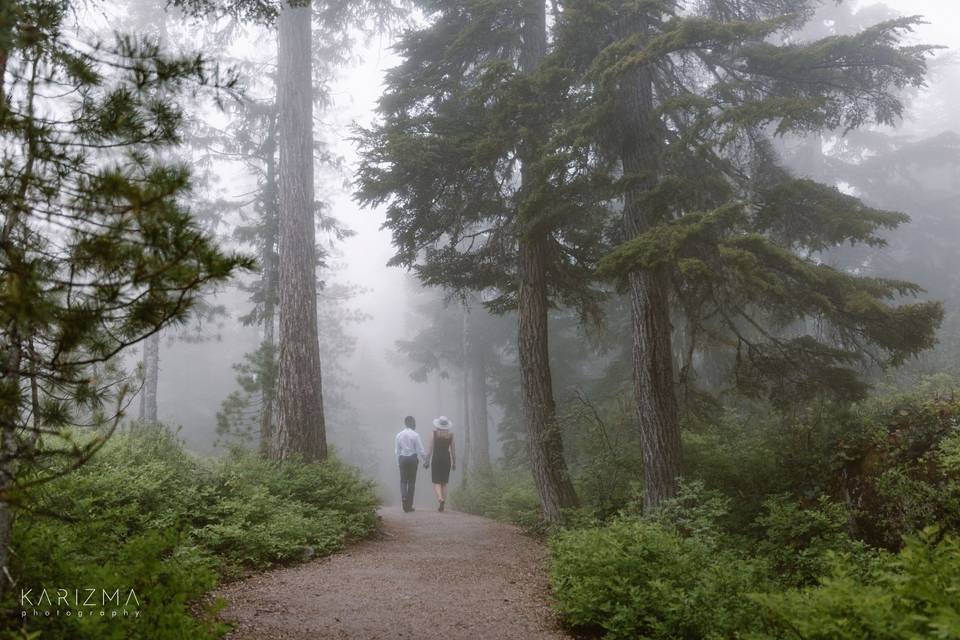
column 252, row 138
column 313, row 39
column 676, row 109
column 473, row 203
column 97, row 250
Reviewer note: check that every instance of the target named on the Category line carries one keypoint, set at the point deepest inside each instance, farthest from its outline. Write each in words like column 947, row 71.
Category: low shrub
column 807, row 526
column 146, row 515
column 897, row 463
column 637, row 578
column 798, row 539
column 912, row 594
column 695, row 511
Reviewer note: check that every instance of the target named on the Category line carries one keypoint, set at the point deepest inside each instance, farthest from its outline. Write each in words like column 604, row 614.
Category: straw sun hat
column 442, row 423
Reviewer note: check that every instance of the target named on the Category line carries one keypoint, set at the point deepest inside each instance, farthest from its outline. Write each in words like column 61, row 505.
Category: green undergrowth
column 837, row 523
column 146, row 515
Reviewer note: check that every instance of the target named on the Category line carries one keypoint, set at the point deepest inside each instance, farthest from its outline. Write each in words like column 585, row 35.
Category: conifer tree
column 473, row 202
column 678, row 101
column 305, row 30
column 301, row 427
column 662, row 111
column 97, row 250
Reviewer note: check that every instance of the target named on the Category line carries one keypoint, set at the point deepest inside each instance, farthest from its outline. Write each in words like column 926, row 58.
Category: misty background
column 370, row 376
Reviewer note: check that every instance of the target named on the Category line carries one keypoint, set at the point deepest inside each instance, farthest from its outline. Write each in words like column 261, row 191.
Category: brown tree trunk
column 151, row 378
column 268, row 382
column 477, row 376
column 649, row 302
column 300, row 423
column 467, row 451
column 544, row 444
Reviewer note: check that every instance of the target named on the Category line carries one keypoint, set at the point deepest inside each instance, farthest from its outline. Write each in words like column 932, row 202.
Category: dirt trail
column 431, row 575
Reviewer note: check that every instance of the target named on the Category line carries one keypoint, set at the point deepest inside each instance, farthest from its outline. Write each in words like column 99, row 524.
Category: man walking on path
column 409, row 451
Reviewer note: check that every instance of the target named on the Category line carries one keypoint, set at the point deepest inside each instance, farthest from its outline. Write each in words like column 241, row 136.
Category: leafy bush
column 263, row 512
column 742, row 456
column 913, row 594
column 635, row 578
column 803, row 514
column 695, row 511
column 897, row 464
column 146, row 515
column 798, row 539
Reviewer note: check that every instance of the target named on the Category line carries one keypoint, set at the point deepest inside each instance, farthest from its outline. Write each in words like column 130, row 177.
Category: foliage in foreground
column 842, row 524
column 638, row 578
column 817, row 526
column 146, row 515
column 910, row 595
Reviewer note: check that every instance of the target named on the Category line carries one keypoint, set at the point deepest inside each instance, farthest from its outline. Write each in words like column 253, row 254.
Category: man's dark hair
column 410, row 422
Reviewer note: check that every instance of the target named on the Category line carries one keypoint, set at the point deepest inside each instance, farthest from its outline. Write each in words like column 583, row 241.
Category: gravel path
column 431, row 575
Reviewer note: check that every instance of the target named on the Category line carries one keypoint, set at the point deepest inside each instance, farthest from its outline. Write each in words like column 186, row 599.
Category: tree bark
column 544, row 444
column 465, row 466
column 654, row 389
column 151, row 377
column 268, row 381
column 477, row 377
column 300, row 424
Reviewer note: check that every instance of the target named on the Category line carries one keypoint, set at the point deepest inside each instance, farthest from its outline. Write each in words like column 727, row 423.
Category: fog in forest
column 371, row 377
column 681, row 275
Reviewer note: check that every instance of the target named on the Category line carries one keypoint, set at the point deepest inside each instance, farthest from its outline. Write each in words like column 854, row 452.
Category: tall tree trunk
column 465, row 398
column 544, row 444
column 268, row 381
column 300, row 423
column 151, row 378
column 649, row 302
column 477, row 376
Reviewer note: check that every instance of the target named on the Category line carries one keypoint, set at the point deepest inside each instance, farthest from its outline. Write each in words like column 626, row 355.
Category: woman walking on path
column 442, row 456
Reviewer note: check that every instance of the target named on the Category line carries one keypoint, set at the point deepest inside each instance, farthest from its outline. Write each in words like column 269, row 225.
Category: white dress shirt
column 408, row 443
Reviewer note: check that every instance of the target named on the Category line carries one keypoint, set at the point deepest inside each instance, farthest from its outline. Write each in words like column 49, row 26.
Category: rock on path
column 430, row 576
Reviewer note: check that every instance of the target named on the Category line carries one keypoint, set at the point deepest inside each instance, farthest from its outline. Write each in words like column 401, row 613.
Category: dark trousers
column 408, row 479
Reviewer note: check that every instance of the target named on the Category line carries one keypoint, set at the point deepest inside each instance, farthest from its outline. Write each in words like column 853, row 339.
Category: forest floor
column 428, row 575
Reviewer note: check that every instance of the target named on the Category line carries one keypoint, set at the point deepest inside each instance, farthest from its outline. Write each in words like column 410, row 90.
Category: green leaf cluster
column 98, row 246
